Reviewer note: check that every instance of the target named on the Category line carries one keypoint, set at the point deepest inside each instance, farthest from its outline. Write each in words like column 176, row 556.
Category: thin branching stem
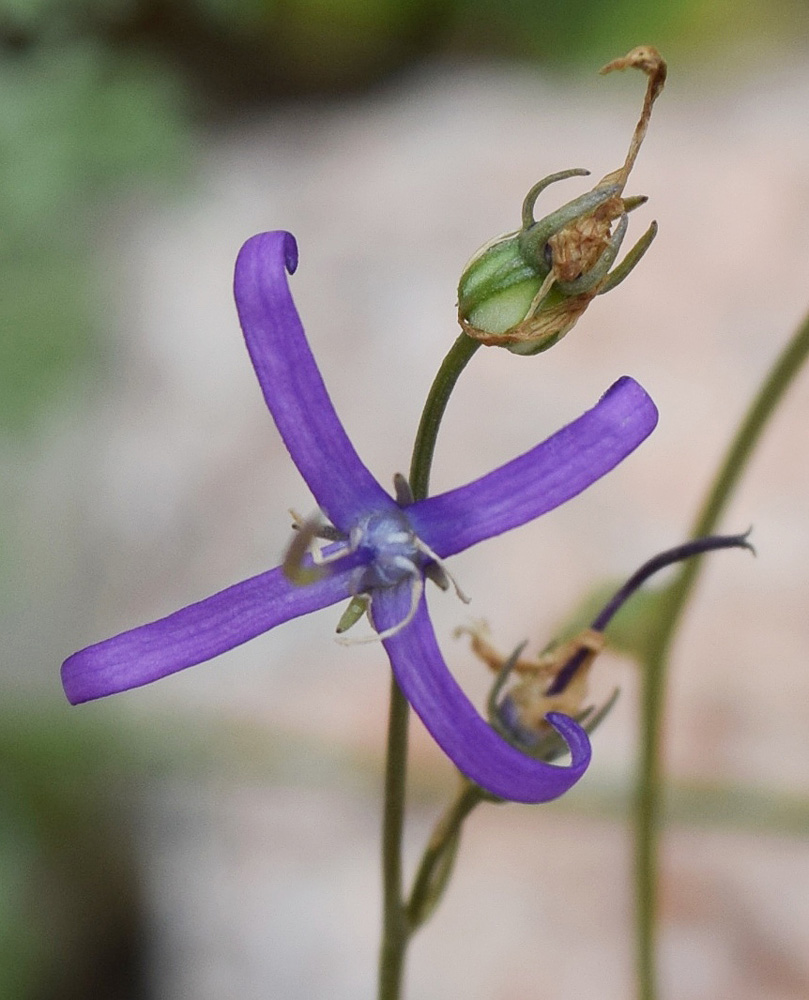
column 437, row 861
column 648, row 804
column 397, row 927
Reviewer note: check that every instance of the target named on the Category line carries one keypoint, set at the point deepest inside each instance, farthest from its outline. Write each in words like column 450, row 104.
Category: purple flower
column 383, row 546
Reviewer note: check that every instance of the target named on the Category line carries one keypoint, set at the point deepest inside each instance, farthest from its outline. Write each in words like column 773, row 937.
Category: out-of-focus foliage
column 77, row 121
column 80, row 119
column 69, row 913
column 591, row 31
column 305, row 46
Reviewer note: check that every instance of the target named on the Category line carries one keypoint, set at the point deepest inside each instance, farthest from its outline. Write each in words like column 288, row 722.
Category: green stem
column 649, row 782
column 397, row 929
column 438, row 859
column 453, row 364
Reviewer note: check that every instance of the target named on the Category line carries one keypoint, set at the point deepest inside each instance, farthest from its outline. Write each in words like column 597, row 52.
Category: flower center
column 392, row 555
column 393, row 547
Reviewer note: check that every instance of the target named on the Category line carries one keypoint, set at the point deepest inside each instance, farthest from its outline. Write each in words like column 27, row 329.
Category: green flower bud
column 525, row 290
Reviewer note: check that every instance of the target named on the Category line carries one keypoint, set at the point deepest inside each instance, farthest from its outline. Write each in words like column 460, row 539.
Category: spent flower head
column 380, row 547
column 528, row 689
column 526, row 290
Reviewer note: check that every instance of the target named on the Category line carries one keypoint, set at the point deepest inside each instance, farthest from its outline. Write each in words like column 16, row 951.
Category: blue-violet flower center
column 395, row 552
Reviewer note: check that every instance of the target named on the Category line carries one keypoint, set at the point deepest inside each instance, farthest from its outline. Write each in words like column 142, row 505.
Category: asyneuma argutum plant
column 376, row 549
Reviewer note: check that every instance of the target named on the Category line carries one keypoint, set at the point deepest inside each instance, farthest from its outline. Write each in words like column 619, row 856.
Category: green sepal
column 357, row 607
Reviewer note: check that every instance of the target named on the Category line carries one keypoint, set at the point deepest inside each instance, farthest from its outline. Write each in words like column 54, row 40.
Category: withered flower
column 525, row 290
column 528, row 689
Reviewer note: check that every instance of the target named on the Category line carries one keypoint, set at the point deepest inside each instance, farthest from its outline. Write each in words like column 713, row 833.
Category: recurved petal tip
column 292, row 385
column 465, row 737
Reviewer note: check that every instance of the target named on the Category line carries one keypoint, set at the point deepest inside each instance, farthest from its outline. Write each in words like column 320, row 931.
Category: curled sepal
column 525, row 290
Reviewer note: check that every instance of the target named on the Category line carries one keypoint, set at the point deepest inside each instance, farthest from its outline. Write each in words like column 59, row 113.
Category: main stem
column 650, row 784
column 396, row 926
column 395, row 930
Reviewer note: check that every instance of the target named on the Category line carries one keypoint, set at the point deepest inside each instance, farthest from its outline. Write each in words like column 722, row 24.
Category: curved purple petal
column 198, row 632
column 292, row 386
column 466, row 738
column 541, row 479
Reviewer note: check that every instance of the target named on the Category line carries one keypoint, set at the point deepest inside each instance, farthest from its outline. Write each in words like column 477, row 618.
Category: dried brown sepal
column 529, row 695
column 648, row 60
column 478, row 633
column 577, row 248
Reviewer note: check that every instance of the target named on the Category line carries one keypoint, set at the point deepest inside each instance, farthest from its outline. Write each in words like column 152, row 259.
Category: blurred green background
column 105, row 99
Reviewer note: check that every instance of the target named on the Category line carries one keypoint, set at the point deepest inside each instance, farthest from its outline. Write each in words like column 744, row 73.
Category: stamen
column 422, row 547
column 323, row 559
column 306, row 531
column 325, row 530
column 434, row 572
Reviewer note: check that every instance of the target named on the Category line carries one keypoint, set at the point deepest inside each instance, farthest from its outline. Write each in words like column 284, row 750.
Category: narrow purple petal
column 292, row 386
column 466, row 738
column 197, row 633
column 541, row 479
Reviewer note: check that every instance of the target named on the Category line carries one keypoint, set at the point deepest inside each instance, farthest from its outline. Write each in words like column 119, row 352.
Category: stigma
column 394, row 551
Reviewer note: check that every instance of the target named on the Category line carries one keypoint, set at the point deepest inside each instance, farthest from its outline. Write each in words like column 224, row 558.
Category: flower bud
column 525, row 290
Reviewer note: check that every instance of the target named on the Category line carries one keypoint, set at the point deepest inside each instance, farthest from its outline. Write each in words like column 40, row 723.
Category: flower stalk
column 654, row 672
column 400, row 918
column 459, row 356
